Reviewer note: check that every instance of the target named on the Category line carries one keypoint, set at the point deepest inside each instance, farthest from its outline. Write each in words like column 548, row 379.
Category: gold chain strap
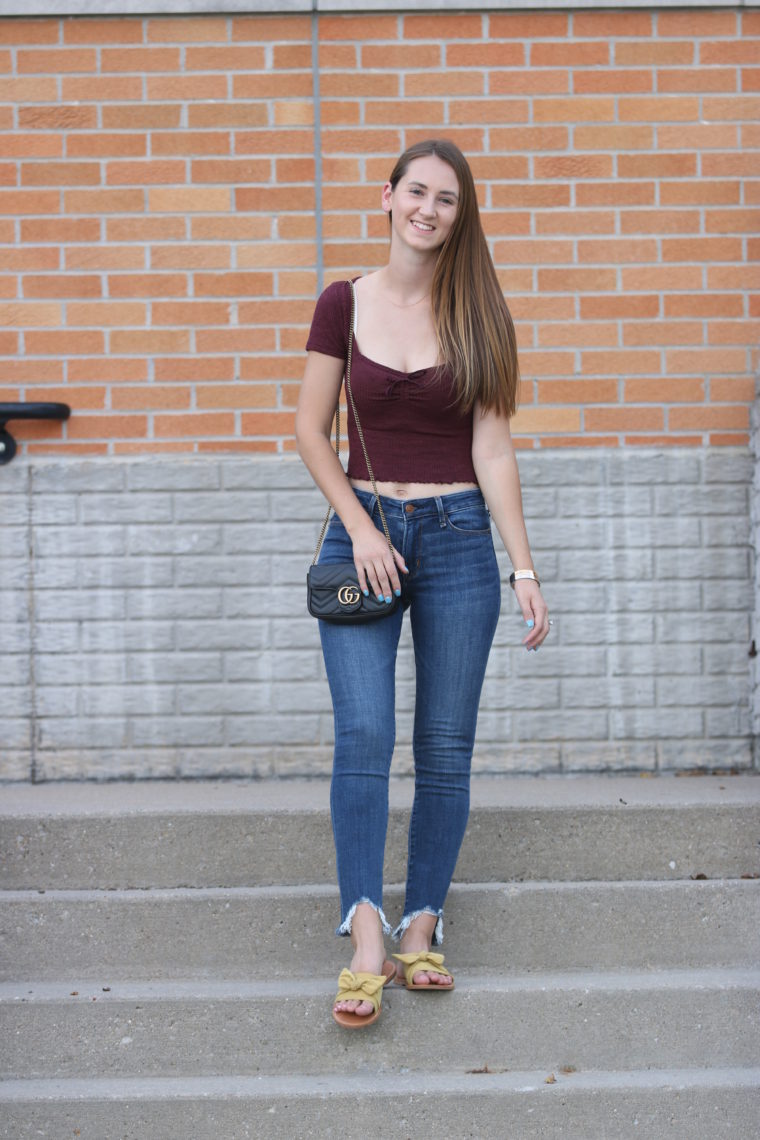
column 370, row 472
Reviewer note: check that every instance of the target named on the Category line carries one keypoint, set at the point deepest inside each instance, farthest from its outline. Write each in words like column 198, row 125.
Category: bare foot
column 369, row 954
column 417, row 939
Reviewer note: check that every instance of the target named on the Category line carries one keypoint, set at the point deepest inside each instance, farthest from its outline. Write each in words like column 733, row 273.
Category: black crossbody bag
column 332, row 589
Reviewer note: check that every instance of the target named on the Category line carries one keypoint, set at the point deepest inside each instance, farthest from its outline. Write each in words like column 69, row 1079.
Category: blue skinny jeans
column 453, row 595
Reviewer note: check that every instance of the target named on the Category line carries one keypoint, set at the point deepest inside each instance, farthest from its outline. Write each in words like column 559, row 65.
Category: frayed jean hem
column 345, row 927
column 400, row 930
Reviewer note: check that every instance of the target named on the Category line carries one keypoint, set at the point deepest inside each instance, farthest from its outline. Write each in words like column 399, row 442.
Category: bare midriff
column 413, row 490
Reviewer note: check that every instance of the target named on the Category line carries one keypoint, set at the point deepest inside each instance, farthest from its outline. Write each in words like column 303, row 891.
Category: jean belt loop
column 372, row 505
column 441, row 511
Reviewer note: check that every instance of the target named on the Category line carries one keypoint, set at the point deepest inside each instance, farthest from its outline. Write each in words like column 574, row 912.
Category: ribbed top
column 413, row 429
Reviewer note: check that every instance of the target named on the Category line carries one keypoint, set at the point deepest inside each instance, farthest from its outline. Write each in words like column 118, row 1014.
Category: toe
column 360, row 1008
column 431, row 979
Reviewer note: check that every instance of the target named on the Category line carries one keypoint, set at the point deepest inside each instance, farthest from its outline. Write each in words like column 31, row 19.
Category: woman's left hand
column 534, row 611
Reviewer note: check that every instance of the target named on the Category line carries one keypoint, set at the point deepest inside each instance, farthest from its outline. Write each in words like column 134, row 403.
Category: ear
column 386, row 197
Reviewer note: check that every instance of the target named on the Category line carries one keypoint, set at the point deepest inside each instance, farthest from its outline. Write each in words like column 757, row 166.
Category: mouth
column 423, row 228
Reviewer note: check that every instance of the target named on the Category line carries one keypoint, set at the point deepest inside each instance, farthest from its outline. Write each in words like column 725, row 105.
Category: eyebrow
column 422, row 186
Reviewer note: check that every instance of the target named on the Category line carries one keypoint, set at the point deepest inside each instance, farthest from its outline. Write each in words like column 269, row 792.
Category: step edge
column 559, row 792
column 328, row 890
column 102, row 1089
column 717, row 979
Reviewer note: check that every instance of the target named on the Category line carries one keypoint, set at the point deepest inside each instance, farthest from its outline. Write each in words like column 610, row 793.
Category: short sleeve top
column 414, row 430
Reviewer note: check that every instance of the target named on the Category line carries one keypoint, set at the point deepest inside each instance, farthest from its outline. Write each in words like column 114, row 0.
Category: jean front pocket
column 469, row 520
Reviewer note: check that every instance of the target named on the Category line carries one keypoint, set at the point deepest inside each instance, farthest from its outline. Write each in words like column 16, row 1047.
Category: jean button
column 409, row 508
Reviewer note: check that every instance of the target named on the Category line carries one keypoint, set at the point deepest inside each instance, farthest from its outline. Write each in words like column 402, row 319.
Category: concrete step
column 686, row 1019
column 691, row 1104
column 230, row 834
column 270, row 932
column 164, row 931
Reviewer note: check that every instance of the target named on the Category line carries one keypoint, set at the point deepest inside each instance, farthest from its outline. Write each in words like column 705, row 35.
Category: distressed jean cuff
column 398, row 933
column 345, row 926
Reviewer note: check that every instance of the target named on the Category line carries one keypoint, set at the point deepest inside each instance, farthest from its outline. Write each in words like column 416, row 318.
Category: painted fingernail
column 397, row 593
column 366, row 593
column 530, row 623
column 380, row 597
column 387, row 597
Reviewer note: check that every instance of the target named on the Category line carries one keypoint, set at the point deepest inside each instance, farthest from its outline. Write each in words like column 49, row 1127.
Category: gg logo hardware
column 348, row 595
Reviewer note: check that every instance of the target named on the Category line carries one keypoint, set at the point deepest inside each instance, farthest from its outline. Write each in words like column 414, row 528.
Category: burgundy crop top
column 413, row 429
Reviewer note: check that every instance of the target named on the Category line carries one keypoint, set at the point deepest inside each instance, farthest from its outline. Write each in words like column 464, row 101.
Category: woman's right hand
column 376, row 568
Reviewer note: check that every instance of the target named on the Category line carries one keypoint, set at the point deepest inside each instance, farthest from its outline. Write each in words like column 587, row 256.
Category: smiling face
column 424, row 203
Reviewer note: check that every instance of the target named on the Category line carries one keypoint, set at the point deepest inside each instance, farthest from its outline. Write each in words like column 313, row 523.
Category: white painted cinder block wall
column 153, row 619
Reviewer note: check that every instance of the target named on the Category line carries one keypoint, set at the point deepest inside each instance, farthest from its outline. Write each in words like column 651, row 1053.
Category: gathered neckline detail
column 388, row 367
column 385, row 367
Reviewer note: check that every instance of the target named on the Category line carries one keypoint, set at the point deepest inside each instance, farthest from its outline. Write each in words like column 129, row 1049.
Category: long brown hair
column 476, row 335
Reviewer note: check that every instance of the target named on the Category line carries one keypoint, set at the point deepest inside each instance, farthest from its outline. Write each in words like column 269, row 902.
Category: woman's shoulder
column 334, row 303
column 332, row 316
column 337, row 289
column 339, row 292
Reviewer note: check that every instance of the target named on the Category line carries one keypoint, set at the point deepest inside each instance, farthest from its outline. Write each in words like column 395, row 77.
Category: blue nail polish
column 530, row 623
column 397, row 593
column 380, row 597
column 387, row 597
column 366, row 593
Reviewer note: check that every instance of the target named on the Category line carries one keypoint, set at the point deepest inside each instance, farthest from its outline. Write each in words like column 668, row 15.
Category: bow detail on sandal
column 358, row 987
column 424, row 962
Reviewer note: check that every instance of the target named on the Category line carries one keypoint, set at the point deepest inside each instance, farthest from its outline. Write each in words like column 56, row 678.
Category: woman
column 434, row 377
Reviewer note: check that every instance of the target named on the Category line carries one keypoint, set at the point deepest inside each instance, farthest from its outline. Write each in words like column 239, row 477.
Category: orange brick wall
column 160, row 256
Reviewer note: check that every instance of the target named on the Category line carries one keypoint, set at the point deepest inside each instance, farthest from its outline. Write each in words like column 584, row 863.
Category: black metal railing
column 22, row 411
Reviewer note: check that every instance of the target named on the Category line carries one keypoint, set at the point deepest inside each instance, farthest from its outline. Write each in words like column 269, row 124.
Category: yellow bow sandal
column 425, row 962
column 359, row 987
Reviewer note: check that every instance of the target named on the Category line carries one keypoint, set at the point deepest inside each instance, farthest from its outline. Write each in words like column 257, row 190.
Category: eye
column 415, row 190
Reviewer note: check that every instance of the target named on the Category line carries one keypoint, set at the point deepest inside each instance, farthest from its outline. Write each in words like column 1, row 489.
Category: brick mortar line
column 401, row 71
column 380, row 42
column 442, row 68
column 318, row 153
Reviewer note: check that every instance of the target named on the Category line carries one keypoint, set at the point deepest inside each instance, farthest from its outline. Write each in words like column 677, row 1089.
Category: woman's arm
column 314, row 415
column 495, row 463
